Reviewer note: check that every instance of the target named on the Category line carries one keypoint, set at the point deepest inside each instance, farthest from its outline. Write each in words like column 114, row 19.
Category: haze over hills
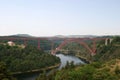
column 59, row 36
column 62, row 36
column 76, row 36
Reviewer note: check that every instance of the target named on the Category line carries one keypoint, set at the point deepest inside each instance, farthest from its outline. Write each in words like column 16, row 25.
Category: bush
column 100, row 75
column 117, row 70
column 96, row 64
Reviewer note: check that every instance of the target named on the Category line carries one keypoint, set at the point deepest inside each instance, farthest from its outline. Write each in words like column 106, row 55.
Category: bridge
column 82, row 42
column 65, row 41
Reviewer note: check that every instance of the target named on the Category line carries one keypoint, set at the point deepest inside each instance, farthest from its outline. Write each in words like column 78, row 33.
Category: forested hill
column 108, row 52
column 26, row 59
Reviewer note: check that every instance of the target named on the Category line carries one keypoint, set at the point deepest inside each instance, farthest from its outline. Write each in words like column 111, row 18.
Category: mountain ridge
column 21, row 35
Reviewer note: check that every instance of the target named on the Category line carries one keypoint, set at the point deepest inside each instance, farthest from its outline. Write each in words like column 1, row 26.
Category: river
column 63, row 58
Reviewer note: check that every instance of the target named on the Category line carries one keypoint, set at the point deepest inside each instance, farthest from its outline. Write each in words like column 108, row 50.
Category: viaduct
column 65, row 41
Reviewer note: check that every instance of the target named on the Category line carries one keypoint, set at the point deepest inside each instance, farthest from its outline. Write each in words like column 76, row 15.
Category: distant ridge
column 76, row 36
column 21, row 35
column 63, row 36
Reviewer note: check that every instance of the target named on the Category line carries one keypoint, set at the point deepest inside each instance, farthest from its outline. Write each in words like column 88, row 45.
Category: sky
column 60, row 17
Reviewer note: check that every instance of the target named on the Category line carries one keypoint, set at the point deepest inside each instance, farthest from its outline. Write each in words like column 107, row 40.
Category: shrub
column 117, row 70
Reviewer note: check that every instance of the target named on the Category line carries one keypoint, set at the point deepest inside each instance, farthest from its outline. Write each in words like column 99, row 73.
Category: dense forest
column 105, row 66
column 26, row 59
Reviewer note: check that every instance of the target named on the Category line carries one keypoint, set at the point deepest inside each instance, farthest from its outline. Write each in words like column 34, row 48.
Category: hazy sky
column 60, row 17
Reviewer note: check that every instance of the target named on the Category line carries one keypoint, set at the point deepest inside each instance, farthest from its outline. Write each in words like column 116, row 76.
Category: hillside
column 26, row 59
column 95, row 71
column 111, row 51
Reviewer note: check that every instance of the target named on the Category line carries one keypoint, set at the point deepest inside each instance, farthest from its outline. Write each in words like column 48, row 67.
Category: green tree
column 4, row 73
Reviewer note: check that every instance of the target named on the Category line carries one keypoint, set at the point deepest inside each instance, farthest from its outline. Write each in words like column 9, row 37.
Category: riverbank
column 83, row 59
column 37, row 70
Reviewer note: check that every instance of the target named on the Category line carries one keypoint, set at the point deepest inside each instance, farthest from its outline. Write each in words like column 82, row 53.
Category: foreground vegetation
column 93, row 71
column 4, row 73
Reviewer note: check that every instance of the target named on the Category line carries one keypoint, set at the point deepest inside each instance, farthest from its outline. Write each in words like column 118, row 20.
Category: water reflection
column 65, row 58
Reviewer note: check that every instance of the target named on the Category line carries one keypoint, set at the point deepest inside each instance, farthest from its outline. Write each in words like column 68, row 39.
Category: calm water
column 64, row 59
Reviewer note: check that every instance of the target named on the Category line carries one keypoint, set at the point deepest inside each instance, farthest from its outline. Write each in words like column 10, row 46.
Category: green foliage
column 117, row 70
column 112, row 62
column 42, row 76
column 4, row 73
column 69, row 65
column 100, row 75
column 27, row 59
column 116, row 39
column 93, row 71
column 62, row 75
column 111, row 51
column 96, row 64
column 83, row 73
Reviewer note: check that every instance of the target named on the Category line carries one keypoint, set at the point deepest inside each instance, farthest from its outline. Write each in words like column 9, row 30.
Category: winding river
column 63, row 58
